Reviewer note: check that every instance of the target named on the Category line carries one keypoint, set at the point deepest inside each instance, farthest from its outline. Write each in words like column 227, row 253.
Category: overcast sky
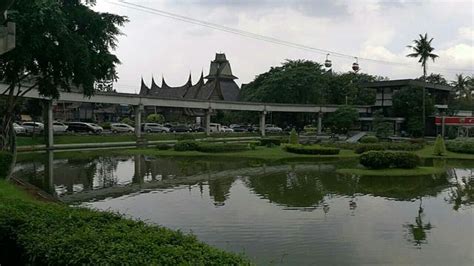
column 156, row 45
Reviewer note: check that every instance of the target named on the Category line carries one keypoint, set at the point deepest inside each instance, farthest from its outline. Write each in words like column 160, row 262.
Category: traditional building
column 219, row 85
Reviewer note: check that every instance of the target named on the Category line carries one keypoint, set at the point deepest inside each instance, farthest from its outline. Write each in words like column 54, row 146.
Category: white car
column 33, row 127
column 120, row 127
column 273, row 129
column 226, row 129
column 59, row 127
column 97, row 129
column 19, row 129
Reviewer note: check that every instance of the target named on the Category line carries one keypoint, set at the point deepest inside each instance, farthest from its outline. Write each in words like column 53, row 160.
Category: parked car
column 226, row 129
column 121, row 127
column 154, row 128
column 241, row 129
column 59, row 127
column 19, row 130
column 33, row 127
column 180, row 128
column 269, row 128
column 214, row 127
column 77, row 127
column 198, row 128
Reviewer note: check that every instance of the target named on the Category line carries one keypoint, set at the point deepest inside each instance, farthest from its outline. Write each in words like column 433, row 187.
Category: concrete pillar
column 138, row 121
column 262, row 123
column 320, row 123
column 49, row 125
column 49, row 173
column 443, row 126
column 208, row 123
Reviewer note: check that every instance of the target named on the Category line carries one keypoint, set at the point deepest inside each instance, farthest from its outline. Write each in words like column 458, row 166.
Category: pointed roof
column 153, row 84
column 143, row 88
column 190, row 82
column 220, row 68
column 163, row 83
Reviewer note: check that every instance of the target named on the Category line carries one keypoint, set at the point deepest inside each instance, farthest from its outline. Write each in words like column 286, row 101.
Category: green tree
column 407, row 103
column 343, row 119
column 155, row 118
column 60, row 44
column 382, row 128
column 439, row 147
column 293, row 137
column 464, row 87
column 422, row 48
column 435, row 79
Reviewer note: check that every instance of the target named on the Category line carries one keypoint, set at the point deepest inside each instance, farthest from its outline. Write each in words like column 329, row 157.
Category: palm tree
column 422, row 48
column 464, row 86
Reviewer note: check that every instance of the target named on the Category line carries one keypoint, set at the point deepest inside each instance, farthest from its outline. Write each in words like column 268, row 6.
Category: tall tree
column 464, row 87
column 60, row 44
column 422, row 48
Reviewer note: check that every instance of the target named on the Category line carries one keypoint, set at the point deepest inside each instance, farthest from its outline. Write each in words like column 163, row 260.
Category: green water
column 291, row 213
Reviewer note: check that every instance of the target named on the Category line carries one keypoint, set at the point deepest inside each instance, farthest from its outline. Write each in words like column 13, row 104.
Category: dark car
column 78, row 127
column 241, row 129
column 180, row 128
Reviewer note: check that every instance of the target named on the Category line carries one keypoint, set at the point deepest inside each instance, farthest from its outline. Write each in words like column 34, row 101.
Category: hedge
column 463, row 145
column 222, row 147
column 389, row 159
column 270, row 142
column 311, row 149
column 5, row 163
column 52, row 234
column 186, row 145
column 395, row 146
column 369, row 139
column 163, row 147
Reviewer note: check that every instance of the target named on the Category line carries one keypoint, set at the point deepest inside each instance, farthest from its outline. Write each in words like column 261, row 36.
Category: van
column 214, row 127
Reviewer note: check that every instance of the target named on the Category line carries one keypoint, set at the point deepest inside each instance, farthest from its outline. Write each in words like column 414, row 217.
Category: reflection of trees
column 219, row 189
column 462, row 193
column 290, row 189
column 417, row 232
column 105, row 171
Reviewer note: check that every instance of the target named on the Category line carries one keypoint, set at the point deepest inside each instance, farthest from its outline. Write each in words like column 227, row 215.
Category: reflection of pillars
column 208, row 122
column 320, row 122
column 262, row 123
column 442, row 126
column 49, row 173
column 139, row 173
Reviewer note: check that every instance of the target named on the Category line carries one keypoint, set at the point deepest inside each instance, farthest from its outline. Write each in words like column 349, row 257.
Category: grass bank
column 427, row 152
column 40, row 233
column 419, row 171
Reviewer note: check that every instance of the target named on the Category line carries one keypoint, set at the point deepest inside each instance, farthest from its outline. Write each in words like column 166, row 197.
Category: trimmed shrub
column 439, row 147
column 311, row 149
column 105, row 125
column 394, row 146
column 163, row 147
column 417, row 141
column 55, row 234
column 222, row 147
column 293, row 137
column 5, row 162
column 370, row 147
column 387, row 159
column 186, row 145
column 463, row 145
column 270, row 142
column 369, row 139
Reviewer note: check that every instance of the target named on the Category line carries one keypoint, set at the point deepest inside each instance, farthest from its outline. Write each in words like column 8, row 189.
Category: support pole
column 208, row 123
column 320, row 123
column 138, row 121
column 443, row 126
column 49, row 115
column 262, row 123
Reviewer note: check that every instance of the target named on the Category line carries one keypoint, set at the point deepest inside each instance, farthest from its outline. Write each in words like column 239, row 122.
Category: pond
column 290, row 213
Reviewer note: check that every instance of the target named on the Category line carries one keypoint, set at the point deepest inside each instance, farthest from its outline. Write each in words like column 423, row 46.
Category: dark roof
column 220, row 85
column 406, row 82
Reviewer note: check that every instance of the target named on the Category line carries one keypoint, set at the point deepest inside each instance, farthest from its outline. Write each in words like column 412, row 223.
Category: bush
column 293, row 137
column 186, row 145
column 163, row 147
column 269, row 142
column 463, row 145
column 369, row 139
column 105, row 125
column 127, row 121
column 394, row 146
column 185, row 137
column 439, row 147
column 222, row 147
column 387, row 159
column 311, row 149
column 370, row 147
column 155, row 118
column 5, row 163
column 55, row 234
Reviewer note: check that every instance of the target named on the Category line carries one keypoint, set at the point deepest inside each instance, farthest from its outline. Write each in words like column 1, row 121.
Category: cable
column 263, row 37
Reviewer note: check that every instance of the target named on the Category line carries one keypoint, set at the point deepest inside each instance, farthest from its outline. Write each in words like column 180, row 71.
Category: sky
column 153, row 45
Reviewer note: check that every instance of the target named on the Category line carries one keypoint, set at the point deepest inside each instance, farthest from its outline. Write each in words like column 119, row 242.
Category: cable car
column 355, row 65
column 328, row 62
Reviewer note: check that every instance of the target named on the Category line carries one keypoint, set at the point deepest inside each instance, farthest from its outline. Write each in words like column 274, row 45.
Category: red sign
column 455, row 121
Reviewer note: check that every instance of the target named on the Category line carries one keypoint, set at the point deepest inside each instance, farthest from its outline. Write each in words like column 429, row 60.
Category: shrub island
column 311, row 149
column 391, row 163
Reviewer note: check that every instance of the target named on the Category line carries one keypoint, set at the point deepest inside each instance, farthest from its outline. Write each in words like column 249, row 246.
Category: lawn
column 45, row 233
column 427, row 152
column 419, row 171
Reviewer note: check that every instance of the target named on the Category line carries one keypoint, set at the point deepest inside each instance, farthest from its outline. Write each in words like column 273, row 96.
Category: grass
column 427, row 152
column 419, row 171
column 42, row 233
